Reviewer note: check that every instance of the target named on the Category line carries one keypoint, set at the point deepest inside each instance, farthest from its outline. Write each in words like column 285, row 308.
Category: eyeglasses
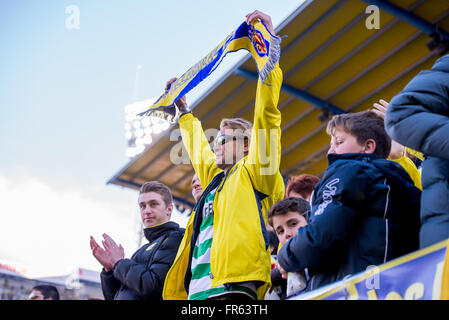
column 223, row 139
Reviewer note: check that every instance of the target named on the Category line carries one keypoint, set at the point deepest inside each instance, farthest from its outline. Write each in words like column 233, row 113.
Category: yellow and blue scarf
column 255, row 38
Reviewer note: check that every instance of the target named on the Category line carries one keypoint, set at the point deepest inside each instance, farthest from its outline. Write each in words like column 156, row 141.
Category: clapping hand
column 110, row 254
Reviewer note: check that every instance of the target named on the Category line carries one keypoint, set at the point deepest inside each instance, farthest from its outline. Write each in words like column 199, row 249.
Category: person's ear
column 169, row 210
column 370, row 146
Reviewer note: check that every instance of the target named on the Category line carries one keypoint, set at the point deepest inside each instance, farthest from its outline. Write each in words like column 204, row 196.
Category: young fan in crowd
column 224, row 254
column 365, row 209
column 197, row 189
column 142, row 276
column 286, row 216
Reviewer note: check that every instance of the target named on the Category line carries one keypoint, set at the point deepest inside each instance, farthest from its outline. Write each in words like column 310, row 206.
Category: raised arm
column 195, row 142
column 265, row 149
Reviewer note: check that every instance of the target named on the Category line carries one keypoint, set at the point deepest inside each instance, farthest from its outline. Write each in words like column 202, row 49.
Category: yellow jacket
column 240, row 248
column 410, row 167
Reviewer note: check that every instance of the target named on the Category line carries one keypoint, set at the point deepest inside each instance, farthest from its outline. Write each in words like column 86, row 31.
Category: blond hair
column 239, row 124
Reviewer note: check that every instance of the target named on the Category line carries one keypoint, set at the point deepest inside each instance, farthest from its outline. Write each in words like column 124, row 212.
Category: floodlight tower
column 140, row 131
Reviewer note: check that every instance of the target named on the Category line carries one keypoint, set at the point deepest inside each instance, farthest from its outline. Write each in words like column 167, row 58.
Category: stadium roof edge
column 330, row 54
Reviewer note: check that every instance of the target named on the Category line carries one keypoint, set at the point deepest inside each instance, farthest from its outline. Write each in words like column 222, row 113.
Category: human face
column 197, row 190
column 36, row 295
column 286, row 225
column 343, row 142
column 228, row 147
column 153, row 209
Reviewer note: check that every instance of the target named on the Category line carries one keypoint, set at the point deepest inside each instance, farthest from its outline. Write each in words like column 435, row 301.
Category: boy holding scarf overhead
column 225, row 251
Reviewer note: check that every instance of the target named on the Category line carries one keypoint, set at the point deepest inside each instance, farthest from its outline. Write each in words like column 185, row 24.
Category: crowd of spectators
column 251, row 237
column 383, row 195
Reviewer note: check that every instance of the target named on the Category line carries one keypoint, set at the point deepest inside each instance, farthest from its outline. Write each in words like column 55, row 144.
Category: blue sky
column 62, row 99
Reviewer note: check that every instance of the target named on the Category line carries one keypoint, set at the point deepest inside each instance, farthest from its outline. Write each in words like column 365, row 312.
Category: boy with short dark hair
column 365, row 209
column 286, row 216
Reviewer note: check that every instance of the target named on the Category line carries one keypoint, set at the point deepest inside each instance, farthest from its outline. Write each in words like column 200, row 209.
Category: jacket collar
column 154, row 232
column 368, row 157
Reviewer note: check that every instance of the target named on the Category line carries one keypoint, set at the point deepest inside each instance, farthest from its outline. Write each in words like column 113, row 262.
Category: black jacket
column 418, row 117
column 365, row 211
column 142, row 277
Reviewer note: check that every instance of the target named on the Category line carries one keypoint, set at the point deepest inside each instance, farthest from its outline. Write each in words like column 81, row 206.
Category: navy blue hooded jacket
column 142, row 277
column 365, row 211
column 418, row 117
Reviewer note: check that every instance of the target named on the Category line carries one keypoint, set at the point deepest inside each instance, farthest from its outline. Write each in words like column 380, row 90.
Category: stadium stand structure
column 332, row 63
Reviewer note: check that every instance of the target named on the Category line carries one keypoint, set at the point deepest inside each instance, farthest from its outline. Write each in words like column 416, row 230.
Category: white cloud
column 47, row 229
